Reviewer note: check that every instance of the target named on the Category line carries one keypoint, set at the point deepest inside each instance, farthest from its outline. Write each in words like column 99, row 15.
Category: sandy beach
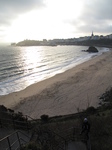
column 65, row 93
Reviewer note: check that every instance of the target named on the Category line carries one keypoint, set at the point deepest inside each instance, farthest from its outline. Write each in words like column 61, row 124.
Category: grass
column 100, row 120
column 51, row 132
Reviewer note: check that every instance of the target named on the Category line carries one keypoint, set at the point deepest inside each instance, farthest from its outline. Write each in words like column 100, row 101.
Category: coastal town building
column 70, row 41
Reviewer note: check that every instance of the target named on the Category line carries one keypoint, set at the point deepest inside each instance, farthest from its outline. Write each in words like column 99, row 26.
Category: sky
column 53, row 19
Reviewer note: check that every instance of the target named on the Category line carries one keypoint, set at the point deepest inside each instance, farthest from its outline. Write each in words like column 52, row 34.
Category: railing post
column 13, row 121
column 74, row 133
column 9, row 143
column 27, row 123
column 0, row 123
column 18, row 138
column 65, row 145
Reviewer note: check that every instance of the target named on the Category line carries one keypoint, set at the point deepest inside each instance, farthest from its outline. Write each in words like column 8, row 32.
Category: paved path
column 76, row 146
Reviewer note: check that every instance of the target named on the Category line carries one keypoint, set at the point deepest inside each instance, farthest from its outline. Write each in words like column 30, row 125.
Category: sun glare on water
column 31, row 57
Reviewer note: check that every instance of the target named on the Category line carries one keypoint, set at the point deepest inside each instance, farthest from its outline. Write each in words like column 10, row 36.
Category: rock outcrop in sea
column 92, row 49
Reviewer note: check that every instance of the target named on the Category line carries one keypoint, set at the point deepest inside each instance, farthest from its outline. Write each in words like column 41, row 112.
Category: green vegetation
column 44, row 118
column 31, row 146
column 8, row 118
column 100, row 120
column 54, row 132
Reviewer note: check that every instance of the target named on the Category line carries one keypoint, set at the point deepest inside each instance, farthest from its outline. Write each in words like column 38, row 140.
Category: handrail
column 12, row 134
column 14, row 120
column 16, row 123
column 11, row 113
column 88, row 142
column 24, row 134
column 13, row 143
column 29, row 117
column 7, row 136
column 23, row 140
column 19, row 139
column 64, row 140
column 25, row 121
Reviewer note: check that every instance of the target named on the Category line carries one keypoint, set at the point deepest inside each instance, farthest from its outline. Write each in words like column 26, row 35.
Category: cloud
column 69, row 17
column 20, row 5
column 100, row 9
column 10, row 9
column 96, row 16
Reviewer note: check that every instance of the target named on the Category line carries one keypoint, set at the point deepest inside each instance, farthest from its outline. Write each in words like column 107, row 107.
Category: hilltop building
column 92, row 36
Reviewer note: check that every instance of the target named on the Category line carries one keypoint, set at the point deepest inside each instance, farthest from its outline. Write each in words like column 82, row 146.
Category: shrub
column 44, row 118
column 91, row 110
column 107, row 96
column 31, row 146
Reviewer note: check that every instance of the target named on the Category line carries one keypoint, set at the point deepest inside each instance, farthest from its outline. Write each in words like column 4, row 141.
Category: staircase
column 14, row 130
column 67, row 140
column 14, row 141
column 49, row 139
column 76, row 146
column 14, row 133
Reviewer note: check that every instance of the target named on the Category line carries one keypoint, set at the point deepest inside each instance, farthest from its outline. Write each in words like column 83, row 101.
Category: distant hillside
column 98, row 42
column 29, row 43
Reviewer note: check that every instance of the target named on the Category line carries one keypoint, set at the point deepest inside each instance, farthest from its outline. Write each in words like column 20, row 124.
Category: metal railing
column 19, row 113
column 18, row 122
column 73, row 134
column 14, row 141
column 61, row 143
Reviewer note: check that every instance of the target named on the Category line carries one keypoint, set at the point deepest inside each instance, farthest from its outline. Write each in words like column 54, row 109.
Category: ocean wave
column 28, row 66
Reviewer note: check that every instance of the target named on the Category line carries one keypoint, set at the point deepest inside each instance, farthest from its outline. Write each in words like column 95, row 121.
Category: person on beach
column 85, row 128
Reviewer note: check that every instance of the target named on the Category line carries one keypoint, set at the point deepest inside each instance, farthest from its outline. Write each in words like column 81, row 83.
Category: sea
column 21, row 67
